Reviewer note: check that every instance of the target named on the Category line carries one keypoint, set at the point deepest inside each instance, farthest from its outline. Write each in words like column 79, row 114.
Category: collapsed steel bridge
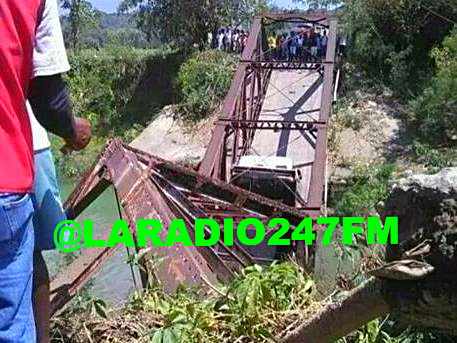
column 254, row 126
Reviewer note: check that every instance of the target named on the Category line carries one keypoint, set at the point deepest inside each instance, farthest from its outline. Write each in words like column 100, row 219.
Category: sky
column 111, row 5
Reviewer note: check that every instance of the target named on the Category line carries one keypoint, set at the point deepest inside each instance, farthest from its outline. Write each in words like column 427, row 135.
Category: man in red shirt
column 21, row 29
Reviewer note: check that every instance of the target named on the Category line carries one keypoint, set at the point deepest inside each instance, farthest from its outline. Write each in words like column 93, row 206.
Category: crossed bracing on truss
column 152, row 188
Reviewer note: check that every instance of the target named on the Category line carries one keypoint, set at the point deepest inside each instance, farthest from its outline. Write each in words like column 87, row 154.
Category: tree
column 81, row 16
column 315, row 4
column 392, row 39
column 433, row 113
column 188, row 22
column 245, row 10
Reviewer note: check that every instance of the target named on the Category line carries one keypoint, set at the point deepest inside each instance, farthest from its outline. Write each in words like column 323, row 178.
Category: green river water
column 113, row 282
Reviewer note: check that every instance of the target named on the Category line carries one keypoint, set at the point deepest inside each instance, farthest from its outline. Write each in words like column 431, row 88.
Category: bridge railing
column 243, row 102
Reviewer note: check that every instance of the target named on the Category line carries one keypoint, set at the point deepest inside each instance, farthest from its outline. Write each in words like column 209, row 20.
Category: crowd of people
column 300, row 44
column 231, row 40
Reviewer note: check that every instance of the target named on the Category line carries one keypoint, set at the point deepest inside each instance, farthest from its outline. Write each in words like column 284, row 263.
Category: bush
column 119, row 90
column 203, row 80
column 433, row 114
column 429, row 157
column 118, row 87
column 259, row 303
column 391, row 40
column 367, row 189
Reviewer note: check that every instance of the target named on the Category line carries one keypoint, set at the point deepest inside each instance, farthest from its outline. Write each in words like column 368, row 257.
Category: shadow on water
column 113, row 282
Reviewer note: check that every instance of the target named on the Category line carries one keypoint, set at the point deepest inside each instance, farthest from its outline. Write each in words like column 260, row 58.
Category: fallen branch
column 336, row 320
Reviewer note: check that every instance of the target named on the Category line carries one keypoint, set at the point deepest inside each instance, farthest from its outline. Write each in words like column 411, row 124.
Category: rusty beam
column 198, row 183
column 283, row 65
column 148, row 189
column 275, row 125
column 218, row 138
column 140, row 199
column 320, row 18
column 318, row 170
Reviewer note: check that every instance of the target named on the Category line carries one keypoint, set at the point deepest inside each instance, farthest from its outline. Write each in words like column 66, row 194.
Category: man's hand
column 81, row 137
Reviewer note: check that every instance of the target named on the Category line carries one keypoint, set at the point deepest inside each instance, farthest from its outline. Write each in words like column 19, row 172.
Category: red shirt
column 18, row 22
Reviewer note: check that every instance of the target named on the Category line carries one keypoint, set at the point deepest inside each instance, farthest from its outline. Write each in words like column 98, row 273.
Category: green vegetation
column 433, row 113
column 379, row 331
column 409, row 47
column 118, row 87
column 430, row 157
column 406, row 46
column 119, row 90
column 85, row 27
column 186, row 23
column 203, row 80
column 81, row 17
column 258, row 304
column 367, row 188
column 391, row 40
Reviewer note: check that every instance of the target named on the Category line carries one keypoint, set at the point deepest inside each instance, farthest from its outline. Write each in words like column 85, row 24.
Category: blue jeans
column 16, row 269
column 46, row 201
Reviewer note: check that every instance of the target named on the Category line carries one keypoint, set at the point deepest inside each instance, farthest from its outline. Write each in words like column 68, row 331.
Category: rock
column 445, row 181
column 426, row 206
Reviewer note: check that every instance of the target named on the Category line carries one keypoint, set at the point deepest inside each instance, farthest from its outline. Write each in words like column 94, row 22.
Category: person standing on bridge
column 272, row 47
column 25, row 35
column 324, row 43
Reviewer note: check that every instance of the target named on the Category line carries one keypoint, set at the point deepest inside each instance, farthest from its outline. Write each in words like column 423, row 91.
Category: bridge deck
column 292, row 95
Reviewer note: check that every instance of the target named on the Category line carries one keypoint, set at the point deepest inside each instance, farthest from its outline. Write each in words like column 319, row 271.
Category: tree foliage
column 188, row 22
column 203, row 80
column 392, row 39
column 110, row 30
column 81, row 16
column 433, row 114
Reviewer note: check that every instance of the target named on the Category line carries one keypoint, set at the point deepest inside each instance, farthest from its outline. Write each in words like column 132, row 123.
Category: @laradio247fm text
column 69, row 236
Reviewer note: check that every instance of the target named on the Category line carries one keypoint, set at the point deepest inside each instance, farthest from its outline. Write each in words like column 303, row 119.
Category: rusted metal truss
column 275, row 125
column 284, row 65
column 319, row 18
column 234, row 132
column 151, row 188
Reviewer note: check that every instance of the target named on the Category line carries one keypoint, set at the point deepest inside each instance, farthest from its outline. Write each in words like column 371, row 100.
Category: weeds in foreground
column 258, row 304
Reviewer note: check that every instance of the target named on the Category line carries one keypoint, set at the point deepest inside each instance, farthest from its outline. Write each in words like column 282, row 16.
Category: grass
column 368, row 187
column 258, row 304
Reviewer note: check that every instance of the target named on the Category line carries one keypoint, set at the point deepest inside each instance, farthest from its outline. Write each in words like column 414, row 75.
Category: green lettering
column 332, row 223
column 277, row 238
column 149, row 228
column 89, row 241
column 215, row 234
column 228, row 232
column 349, row 229
column 259, row 231
column 308, row 236
column 120, row 234
column 374, row 228
column 178, row 225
